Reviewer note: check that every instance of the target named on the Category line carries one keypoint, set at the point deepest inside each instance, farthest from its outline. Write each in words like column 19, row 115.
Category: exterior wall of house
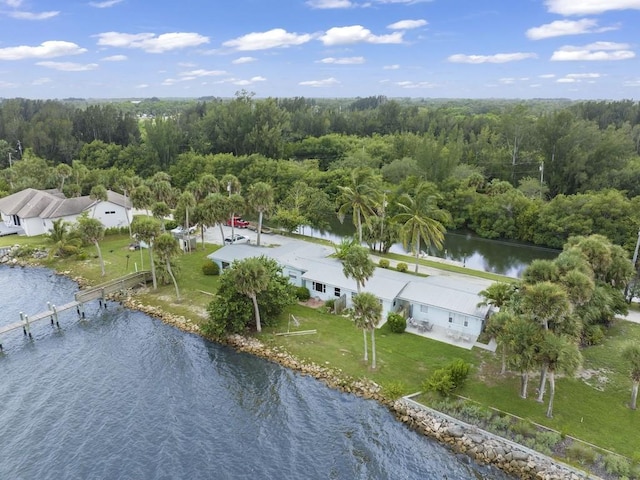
column 48, row 222
column 111, row 215
column 465, row 324
column 33, row 226
column 294, row 275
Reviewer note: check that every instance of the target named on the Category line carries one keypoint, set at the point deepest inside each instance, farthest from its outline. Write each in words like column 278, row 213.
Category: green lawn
column 595, row 411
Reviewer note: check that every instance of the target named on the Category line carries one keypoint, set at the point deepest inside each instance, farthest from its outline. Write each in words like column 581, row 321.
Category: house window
column 466, row 322
column 292, row 276
column 319, row 287
column 450, row 318
column 336, row 292
column 225, row 265
column 424, row 309
column 111, row 212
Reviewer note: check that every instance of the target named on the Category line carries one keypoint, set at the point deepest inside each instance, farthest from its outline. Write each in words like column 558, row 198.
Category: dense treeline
column 537, row 171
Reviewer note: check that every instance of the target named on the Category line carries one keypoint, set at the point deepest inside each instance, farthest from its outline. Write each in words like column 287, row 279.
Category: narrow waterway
column 122, row 396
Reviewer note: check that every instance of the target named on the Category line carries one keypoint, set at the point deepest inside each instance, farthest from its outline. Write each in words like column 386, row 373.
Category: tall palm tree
column 216, row 210
column 147, row 230
column 366, row 314
column 161, row 211
column 358, row 265
column 560, row 354
column 186, row 203
column 251, row 277
column 359, row 197
column 420, row 220
column 167, row 248
column 92, row 230
column 631, row 353
column 548, row 305
column 521, row 338
column 98, row 194
column 142, row 197
column 260, row 199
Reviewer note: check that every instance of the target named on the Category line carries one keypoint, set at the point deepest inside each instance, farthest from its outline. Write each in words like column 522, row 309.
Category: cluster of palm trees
column 558, row 306
column 416, row 216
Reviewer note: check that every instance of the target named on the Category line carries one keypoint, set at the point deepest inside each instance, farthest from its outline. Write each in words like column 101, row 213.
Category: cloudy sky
column 579, row 49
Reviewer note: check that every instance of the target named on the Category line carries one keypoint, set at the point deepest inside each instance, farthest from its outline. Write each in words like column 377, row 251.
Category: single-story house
column 444, row 302
column 450, row 304
column 34, row 211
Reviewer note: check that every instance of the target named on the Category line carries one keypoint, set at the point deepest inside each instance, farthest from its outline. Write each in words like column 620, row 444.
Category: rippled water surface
column 123, row 396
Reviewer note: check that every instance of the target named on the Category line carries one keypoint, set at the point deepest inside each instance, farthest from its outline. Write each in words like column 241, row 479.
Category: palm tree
column 358, row 265
column 142, row 197
column 521, row 338
column 186, row 202
column 147, row 230
column 92, row 230
column 631, row 353
column 61, row 236
column 98, row 194
column 260, row 198
column 216, row 208
column 161, row 211
column 63, row 171
column 167, row 248
column 358, row 197
column 560, row 354
column 420, row 220
column 207, row 184
column 251, row 277
column 366, row 314
column 545, row 302
column 497, row 295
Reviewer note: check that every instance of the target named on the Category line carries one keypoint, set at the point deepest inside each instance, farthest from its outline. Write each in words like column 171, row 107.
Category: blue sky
column 578, row 49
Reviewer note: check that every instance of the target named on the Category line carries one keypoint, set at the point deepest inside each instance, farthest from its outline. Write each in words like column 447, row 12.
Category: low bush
column 210, row 267
column 170, row 225
column 445, row 380
column 302, row 294
column 394, row 390
column 617, row 465
column 116, row 231
column 402, row 267
column 583, row 454
column 383, row 263
column 329, row 305
column 397, row 323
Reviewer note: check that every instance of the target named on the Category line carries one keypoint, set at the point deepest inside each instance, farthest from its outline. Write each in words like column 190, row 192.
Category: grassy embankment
column 594, row 410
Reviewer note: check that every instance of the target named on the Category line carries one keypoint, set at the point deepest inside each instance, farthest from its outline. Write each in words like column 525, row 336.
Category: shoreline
column 482, row 447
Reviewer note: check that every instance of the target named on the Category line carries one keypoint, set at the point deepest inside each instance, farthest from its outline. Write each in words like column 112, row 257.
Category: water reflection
column 496, row 256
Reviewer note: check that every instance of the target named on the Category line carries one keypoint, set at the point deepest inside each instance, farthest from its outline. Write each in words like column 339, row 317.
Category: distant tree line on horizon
column 537, row 171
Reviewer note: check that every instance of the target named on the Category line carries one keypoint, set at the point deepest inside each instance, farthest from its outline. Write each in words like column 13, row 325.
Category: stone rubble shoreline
column 483, row 447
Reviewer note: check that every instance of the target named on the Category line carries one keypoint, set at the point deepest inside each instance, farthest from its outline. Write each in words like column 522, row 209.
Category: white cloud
column 590, row 7
column 407, row 24
column 142, row 85
column 241, row 60
column 12, row 3
column 632, row 83
column 32, row 16
column 598, row 51
column 326, row 4
column 69, row 66
column 411, row 85
column 106, row 4
column 48, row 49
column 579, row 77
column 584, row 75
column 357, row 34
column 4, row 84
column 203, row 73
column 275, row 38
column 41, row 81
column 115, row 58
column 406, row 2
column 497, row 58
column 391, row 67
column 251, row 81
column 151, row 43
column 560, row 28
column 327, row 82
column 343, row 60
column 547, row 75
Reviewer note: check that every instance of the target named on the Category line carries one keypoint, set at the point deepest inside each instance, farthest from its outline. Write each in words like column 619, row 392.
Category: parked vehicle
column 179, row 230
column 237, row 222
column 237, row 238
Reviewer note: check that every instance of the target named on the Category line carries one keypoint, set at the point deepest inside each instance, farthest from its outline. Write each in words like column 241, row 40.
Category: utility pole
column 633, row 262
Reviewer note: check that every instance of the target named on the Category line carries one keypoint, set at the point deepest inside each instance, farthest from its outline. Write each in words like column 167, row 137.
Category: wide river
column 121, row 395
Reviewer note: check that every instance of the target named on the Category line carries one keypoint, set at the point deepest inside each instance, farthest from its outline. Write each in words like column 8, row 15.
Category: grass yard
column 592, row 408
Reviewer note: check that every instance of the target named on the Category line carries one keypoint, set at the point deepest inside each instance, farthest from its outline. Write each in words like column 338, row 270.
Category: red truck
column 237, row 222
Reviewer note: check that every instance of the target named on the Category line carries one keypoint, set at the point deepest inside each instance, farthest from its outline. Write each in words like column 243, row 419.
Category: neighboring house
column 34, row 211
column 448, row 303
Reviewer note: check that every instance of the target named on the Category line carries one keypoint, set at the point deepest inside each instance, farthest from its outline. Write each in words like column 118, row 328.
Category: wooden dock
column 99, row 292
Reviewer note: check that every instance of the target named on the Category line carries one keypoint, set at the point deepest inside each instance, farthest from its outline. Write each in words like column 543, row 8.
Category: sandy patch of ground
column 597, row 379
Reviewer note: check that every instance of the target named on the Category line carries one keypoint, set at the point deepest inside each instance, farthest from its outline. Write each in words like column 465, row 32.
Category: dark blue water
column 122, row 396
